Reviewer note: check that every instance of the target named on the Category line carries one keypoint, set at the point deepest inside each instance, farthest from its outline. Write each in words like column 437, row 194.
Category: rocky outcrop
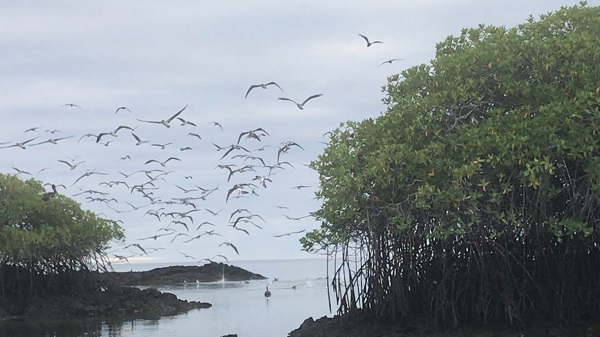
column 122, row 301
column 353, row 325
column 211, row 272
column 116, row 296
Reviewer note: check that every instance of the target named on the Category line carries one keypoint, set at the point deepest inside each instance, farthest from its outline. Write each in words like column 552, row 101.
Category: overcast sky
column 155, row 57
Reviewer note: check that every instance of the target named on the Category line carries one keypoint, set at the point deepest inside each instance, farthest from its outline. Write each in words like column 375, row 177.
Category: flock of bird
column 156, row 189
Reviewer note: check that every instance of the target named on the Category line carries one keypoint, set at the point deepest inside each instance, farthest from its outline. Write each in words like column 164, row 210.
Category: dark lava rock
column 210, row 272
column 123, row 301
column 356, row 325
column 114, row 297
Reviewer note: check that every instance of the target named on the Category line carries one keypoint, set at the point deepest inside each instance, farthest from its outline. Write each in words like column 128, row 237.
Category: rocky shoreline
column 119, row 296
column 353, row 325
column 122, row 299
column 211, row 272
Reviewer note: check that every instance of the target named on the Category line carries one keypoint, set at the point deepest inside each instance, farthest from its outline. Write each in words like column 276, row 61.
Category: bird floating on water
column 267, row 292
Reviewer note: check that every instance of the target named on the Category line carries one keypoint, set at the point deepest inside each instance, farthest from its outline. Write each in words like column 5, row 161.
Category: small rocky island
column 211, row 272
column 117, row 293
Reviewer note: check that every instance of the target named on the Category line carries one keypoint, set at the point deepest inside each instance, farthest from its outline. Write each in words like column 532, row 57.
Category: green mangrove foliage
column 44, row 238
column 476, row 196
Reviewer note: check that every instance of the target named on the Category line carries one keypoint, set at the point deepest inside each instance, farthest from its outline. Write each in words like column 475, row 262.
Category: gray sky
column 155, row 57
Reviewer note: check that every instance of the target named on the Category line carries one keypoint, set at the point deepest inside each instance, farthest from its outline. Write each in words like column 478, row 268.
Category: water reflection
column 204, row 286
column 294, row 298
column 110, row 327
column 51, row 328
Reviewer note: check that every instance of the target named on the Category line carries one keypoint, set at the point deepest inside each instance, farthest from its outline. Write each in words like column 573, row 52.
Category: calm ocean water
column 238, row 307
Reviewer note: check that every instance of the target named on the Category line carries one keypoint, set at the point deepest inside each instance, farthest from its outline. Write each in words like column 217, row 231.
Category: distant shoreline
column 125, row 266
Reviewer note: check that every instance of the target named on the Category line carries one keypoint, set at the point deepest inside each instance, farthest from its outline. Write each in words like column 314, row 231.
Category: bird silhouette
column 71, row 166
column 300, row 105
column 162, row 163
column 230, row 245
column 165, row 122
column 389, row 61
column 290, row 233
column 49, row 195
column 72, row 105
column 51, row 141
column 368, row 42
column 122, row 108
column 112, row 133
column 264, row 86
column 21, row 145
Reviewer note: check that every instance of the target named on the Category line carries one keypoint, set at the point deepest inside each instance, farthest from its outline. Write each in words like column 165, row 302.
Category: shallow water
column 238, row 307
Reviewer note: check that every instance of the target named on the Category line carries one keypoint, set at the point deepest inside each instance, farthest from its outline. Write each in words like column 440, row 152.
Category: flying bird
column 154, row 237
column 52, row 141
column 87, row 135
column 264, row 86
column 122, row 108
column 230, row 245
column 368, row 42
column 298, row 218
column 237, row 187
column 72, row 105
column 213, row 212
column 21, row 145
column 300, row 105
column 163, row 163
column 286, row 147
column 231, row 148
column 389, row 61
column 112, row 133
column 217, row 124
column 162, row 146
column 256, row 134
column 72, row 166
column 87, row 174
column 138, row 140
column 262, row 180
column 298, row 187
column 31, row 129
column 290, row 233
column 19, row 171
column 138, row 246
column 167, row 121
column 184, row 122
